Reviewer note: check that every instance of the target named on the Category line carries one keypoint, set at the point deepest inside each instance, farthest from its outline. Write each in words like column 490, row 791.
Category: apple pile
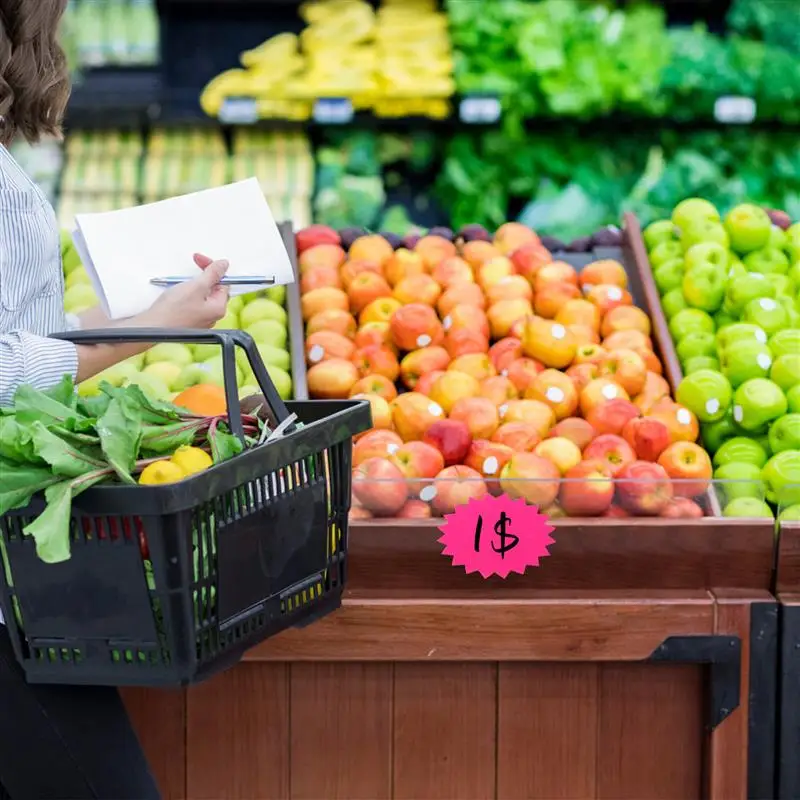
column 167, row 369
column 492, row 367
column 730, row 288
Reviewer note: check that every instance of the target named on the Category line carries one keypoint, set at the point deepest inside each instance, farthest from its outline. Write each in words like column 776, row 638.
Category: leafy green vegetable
column 63, row 445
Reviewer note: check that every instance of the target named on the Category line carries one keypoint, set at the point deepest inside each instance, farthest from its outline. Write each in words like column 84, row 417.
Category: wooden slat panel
column 341, row 731
column 727, row 773
column 438, row 629
column 445, row 731
column 650, row 743
column 547, row 731
column 237, row 739
column 159, row 717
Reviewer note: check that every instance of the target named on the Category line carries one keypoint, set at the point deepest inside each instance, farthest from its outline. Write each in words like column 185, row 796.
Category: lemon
column 161, row 472
column 191, row 460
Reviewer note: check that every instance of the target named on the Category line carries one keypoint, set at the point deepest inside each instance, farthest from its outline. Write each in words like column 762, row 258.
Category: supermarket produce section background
column 560, row 113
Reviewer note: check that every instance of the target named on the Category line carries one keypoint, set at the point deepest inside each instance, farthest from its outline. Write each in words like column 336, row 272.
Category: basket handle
column 228, row 339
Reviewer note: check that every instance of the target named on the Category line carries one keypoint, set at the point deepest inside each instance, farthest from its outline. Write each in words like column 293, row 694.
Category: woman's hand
column 198, row 303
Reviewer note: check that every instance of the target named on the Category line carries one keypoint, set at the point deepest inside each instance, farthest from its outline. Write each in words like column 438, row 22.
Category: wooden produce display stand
column 788, row 594
column 638, row 661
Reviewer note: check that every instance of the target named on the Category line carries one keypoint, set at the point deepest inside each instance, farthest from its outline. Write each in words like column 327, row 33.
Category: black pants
column 65, row 742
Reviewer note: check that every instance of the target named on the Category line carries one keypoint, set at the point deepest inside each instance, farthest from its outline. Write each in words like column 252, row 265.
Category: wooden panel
column 548, row 629
column 788, row 578
column 547, row 731
column 237, row 739
column 643, row 554
column 650, row 733
column 727, row 767
column 341, row 731
column 159, row 717
column 445, row 731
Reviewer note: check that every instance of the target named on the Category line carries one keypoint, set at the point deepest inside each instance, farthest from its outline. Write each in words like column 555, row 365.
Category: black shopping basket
column 168, row 585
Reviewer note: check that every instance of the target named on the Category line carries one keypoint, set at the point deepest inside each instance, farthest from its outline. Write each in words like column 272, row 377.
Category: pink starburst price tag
column 496, row 536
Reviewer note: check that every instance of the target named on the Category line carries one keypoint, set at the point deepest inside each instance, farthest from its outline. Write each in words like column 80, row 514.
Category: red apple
column 380, row 487
column 644, row 488
column 612, row 450
column 587, row 489
column 451, row 438
column 648, row 437
column 419, row 463
column 455, row 486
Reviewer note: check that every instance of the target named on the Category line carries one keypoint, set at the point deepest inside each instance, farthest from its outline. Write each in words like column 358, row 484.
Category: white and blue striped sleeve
column 35, row 360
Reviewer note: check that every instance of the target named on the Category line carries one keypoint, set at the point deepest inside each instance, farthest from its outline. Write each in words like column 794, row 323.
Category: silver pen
column 245, row 280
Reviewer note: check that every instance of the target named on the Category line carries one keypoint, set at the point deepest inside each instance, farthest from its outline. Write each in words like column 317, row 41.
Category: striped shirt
column 31, row 287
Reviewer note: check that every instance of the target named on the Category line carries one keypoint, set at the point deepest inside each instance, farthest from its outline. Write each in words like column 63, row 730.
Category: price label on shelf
column 333, row 111
column 735, row 110
column 479, row 110
column 238, row 111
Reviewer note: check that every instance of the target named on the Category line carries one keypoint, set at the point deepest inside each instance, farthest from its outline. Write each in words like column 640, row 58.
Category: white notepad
column 123, row 251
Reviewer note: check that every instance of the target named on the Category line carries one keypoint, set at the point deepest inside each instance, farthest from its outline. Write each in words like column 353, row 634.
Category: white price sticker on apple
column 238, row 111
column 735, row 110
column 479, row 110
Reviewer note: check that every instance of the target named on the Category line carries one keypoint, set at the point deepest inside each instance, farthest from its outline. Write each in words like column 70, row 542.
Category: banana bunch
column 396, row 61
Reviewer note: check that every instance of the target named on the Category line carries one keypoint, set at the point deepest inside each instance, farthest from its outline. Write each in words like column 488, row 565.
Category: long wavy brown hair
column 34, row 80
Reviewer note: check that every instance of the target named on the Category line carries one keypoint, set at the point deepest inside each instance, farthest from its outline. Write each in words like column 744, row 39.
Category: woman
column 60, row 743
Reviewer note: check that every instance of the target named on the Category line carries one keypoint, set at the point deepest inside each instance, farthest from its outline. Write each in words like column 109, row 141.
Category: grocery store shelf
column 115, row 97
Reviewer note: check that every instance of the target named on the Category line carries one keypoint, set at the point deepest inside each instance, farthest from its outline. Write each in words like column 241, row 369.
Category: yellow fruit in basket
column 191, row 460
column 161, row 472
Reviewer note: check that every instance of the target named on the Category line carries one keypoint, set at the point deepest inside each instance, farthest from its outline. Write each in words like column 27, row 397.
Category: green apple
column 268, row 331
column 248, row 390
column 690, row 320
column 792, row 312
column 665, row 252
column 739, row 480
column 749, row 227
column 693, row 209
column 166, row 371
column 767, row 261
column 740, row 291
column 740, row 332
column 786, row 371
column 174, row 352
column 777, row 238
column 745, row 360
column 794, row 274
column 748, row 508
column 704, row 232
column 662, row 230
column 784, row 433
column 715, row 434
column 136, row 361
column 740, row 450
column 782, row 284
column 790, row 514
column 204, row 352
column 793, row 397
column 206, row 372
column 669, row 275
column 707, row 394
column 763, row 440
column 767, row 314
column 261, row 309
column 276, row 356
column 277, row 294
column 785, row 342
column 76, row 278
column 704, row 287
column 79, row 298
column 781, row 474
column 736, row 269
column 236, row 304
column 757, row 402
column 697, row 344
column 230, row 322
column 673, row 302
column 152, row 386
column 116, row 375
column 704, row 253
column 282, row 381
column 696, row 363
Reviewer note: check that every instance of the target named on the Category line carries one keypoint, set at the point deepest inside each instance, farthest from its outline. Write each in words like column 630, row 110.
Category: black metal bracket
column 762, row 705
column 723, row 655
column 789, row 705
